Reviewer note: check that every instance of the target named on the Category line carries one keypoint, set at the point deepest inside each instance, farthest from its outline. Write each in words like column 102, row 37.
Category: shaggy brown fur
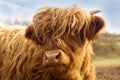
column 68, row 29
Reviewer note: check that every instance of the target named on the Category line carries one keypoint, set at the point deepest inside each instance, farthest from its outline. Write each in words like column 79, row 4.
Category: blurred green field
column 107, row 47
column 107, row 50
column 107, row 62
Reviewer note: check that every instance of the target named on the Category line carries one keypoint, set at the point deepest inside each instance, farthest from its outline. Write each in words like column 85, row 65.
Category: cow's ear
column 30, row 34
column 97, row 24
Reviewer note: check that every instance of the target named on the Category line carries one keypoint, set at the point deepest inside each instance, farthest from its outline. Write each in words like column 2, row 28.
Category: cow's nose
column 53, row 56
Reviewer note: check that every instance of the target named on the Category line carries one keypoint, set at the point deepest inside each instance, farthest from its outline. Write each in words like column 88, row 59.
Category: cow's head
column 65, row 35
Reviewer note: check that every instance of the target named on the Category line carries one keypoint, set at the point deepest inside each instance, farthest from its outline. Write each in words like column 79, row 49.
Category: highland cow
column 55, row 46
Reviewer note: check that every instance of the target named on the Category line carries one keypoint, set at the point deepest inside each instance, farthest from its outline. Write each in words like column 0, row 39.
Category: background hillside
column 107, row 46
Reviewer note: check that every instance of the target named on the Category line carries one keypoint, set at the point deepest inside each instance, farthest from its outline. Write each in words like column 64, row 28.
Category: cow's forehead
column 57, row 22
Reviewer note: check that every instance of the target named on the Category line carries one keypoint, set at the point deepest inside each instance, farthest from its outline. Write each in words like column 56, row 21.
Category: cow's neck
column 73, row 75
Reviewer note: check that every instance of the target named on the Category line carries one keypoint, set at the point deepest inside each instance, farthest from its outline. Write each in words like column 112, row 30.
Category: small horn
column 94, row 12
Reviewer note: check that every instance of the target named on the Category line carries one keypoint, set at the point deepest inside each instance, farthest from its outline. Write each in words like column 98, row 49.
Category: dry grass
column 108, row 73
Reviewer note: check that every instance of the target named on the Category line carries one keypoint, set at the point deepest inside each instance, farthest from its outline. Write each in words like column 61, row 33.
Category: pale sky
column 25, row 9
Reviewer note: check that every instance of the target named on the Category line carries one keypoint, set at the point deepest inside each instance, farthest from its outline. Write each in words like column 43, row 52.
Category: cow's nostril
column 52, row 56
column 57, row 56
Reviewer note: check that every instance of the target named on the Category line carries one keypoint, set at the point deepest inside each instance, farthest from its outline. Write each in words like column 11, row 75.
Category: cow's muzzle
column 55, row 58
